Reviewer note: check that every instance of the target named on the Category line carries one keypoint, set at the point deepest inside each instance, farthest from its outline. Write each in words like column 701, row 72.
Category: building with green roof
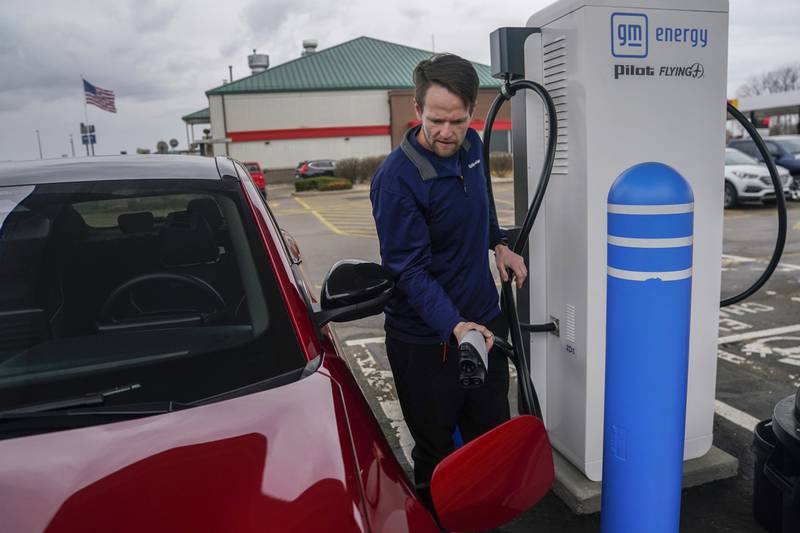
column 354, row 99
column 192, row 119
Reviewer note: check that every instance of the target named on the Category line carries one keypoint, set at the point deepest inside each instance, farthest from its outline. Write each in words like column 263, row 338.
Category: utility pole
column 71, row 145
column 39, row 140
column 230, row 73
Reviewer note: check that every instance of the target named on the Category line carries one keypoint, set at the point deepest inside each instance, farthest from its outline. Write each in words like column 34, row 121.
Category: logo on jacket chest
column 472, row 165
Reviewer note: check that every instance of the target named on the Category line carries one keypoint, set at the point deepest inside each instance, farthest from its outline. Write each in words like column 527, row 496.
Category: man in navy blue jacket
column 436, row 227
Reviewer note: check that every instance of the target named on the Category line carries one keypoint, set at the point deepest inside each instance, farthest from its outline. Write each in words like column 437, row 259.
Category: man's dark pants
column 434, row 403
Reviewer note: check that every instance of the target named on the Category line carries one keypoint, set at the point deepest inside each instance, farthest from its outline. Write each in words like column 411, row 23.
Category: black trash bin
column 783, row 467
column 767, row 498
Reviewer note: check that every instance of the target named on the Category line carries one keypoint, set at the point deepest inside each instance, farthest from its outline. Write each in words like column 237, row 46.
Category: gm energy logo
column 629, row 35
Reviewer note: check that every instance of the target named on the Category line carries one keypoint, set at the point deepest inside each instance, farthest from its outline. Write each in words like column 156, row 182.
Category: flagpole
column 85, row 114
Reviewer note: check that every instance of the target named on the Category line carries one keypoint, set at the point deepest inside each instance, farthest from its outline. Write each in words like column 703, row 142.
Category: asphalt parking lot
column 758, row 356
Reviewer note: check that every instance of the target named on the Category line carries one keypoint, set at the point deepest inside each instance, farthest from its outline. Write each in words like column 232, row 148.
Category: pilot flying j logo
column 695, row 70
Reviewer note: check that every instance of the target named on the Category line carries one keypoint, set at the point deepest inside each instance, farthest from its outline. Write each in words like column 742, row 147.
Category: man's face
column 444, row 119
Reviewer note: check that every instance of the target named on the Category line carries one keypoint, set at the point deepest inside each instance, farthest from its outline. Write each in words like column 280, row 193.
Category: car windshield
column 790, row 145
column 159, row 283
column 735, row 157
column 252, row 168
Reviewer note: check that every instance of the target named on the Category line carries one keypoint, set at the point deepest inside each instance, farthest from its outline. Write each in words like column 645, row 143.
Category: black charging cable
column 529, row 401
column 780, row 202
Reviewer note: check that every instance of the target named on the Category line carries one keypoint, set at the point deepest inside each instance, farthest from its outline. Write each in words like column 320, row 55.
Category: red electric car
column 164, row 367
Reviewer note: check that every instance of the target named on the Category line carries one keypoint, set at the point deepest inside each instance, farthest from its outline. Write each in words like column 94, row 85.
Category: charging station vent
column 569, row 324
column 554, row 58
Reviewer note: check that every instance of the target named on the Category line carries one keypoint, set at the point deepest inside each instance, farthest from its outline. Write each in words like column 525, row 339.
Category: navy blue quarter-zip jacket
column 435, row 227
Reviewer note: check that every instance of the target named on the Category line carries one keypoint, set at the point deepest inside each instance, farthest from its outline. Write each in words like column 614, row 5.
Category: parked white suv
column 747, row 180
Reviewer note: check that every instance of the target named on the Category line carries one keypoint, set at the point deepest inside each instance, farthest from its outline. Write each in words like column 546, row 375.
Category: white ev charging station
column 643, row 82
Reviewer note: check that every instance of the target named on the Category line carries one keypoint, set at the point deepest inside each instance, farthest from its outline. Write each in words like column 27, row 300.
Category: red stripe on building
column 499, row 125
column 308, row 133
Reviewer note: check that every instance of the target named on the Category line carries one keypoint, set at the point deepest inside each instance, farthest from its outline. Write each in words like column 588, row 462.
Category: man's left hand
column 506, row 259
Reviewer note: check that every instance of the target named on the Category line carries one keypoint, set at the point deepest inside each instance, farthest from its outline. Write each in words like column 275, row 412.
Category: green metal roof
column 198, row 117
column 363, row 63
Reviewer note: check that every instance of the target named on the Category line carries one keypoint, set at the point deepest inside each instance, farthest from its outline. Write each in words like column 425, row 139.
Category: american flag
column 102, row 98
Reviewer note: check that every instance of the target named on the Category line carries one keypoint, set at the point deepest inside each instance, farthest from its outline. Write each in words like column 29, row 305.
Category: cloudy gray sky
column 160, row 56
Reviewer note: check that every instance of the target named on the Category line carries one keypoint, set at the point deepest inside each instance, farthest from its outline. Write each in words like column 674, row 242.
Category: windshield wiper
column 94, row 398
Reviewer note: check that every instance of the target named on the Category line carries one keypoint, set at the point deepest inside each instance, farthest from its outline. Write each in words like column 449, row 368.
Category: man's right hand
column 463, row 327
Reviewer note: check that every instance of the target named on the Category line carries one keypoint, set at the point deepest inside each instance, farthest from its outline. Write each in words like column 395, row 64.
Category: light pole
column 39, row 140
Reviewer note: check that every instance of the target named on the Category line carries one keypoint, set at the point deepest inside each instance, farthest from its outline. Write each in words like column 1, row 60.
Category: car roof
column 118, row 167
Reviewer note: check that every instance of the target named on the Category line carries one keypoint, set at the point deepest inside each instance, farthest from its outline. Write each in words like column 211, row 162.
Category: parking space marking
column 283, row 212
column 350, row 216
column 731, row 358
column 319, row 217
column 364, row 342
column 380, row 381
column 740, row 418
column 759, row 334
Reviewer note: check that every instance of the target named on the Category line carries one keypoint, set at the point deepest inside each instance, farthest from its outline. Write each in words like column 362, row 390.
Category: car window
column 735, row 157
column 791, row 146
column 747, row 147
column 105, row 213
column 773, row 148
column 253, row 168
column 160, row 283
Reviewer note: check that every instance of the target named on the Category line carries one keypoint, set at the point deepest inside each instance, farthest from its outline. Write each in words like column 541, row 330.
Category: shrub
column 307, row 184
column 501, row 164
column 335, row 184
column 322, row 184
column 368, row 165
column 347, row 168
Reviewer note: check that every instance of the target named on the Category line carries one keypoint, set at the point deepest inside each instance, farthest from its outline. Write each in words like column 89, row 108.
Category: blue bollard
column 648, row 307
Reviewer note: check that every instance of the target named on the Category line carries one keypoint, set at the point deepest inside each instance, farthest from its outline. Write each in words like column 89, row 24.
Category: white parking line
column 740, row 418
column 759, row 334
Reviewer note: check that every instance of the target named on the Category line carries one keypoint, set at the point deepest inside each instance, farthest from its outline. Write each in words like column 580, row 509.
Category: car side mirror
column 353, row 289
column 494, row 478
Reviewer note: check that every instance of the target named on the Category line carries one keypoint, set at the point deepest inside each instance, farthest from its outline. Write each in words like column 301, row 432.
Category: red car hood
column 278, row 460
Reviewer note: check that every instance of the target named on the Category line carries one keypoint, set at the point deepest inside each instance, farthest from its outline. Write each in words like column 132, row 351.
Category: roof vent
column 309, row 47
column 258, row 62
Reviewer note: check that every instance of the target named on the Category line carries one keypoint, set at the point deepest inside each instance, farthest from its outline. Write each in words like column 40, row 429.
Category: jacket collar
column 423, row 164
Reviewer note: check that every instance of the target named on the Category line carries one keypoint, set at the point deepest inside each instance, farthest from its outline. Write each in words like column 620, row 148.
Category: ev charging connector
column 473, row 359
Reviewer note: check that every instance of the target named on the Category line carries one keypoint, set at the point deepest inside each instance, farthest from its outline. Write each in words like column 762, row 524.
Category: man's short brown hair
column 452, row 72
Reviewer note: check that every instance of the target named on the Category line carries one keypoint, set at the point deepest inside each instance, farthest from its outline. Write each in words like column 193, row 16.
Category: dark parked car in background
column 785, row 151
column 165, row 367
column 255, row 171
column 318, row 167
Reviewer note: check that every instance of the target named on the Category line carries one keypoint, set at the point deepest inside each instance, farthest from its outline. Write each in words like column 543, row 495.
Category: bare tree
column 779, row 80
